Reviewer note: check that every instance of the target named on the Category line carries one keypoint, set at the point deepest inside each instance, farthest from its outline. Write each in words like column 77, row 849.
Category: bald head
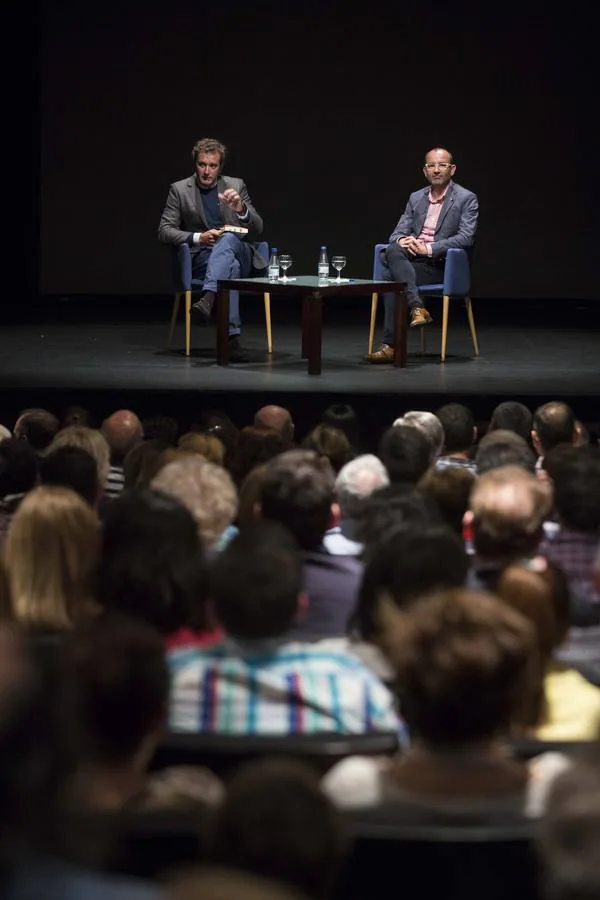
column 122, row 430
column 278, row 419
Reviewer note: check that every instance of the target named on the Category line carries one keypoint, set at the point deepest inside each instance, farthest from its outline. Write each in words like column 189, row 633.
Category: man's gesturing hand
column 233, row 200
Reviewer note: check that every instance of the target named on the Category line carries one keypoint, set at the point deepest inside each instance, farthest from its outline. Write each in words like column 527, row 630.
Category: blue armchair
column 457, row 283
column 185, row 284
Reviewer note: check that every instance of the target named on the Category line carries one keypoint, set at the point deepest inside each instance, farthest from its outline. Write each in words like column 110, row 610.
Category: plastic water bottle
column 274, row 264
column 323, row 267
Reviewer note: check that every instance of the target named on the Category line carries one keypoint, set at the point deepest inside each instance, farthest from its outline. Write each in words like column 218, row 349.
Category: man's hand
column 233, row 201
column 413, row 246
column 208, row 238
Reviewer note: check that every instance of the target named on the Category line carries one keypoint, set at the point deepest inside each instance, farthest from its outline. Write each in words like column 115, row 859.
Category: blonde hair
column 50, row 555
column 206, row 445
column 89, row 439
column 205, row 489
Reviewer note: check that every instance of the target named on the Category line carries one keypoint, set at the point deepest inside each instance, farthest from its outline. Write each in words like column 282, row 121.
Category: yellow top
column 573, row 707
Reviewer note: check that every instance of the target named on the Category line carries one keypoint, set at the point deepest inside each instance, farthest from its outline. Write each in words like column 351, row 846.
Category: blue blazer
column 456, row 225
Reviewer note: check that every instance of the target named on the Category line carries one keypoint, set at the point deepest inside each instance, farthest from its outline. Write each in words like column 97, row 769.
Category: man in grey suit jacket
column 196, row 210
column 436, row 218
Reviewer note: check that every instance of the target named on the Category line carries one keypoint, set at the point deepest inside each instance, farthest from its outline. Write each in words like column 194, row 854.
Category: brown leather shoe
column 419, row 316
column 385, row 354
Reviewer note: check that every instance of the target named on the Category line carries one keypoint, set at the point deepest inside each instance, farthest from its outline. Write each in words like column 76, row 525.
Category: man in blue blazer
column 436, row 218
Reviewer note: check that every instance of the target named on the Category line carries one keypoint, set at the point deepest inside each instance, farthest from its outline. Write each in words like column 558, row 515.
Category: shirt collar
column 442, row 197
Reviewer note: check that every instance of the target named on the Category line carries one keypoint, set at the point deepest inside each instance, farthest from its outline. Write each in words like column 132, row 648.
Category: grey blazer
column 184, row 214
column 456, row 225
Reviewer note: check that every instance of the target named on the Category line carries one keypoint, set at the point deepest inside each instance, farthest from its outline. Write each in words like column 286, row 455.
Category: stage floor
column 117, row 353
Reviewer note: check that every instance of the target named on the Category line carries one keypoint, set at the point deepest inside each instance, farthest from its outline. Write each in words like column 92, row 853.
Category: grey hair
column 429, row 425
column 356, row 481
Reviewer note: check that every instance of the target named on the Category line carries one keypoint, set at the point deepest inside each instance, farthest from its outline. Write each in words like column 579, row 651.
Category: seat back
column 457, row 271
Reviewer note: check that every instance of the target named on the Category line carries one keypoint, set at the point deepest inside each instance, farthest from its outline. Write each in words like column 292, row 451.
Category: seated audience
column 37, row 427
column 161, row 428
column 429, row 425
column 553, row 423
column 152, row 567
column 249, row 496
column 393, row 506
column 276, row 418
column 451, row 489
column 331, row 442
column 143, row 462
column 51, row 559
column 460, row 434
column 259, row 680
column 18, row 475
column 255, row 446
column 514, row 417
column 344, row 417
column 503, row 448
column 123, row 431
column 355, row 482
column 210, row 447
column 405, row 452
column 73, row 468
column 465, row 665
column 275, row 821
column 297, row 490
column 92, row 441
column 76, row 415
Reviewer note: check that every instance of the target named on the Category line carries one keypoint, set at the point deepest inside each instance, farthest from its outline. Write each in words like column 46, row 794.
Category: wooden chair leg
column 188, row 316
column 423, row 341
column 445, row 309
column 374, row 299
column 469, row 306
column 267, row 298
column 173, row 320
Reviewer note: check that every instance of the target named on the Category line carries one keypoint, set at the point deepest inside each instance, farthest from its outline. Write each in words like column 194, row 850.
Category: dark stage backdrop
column 327, row 112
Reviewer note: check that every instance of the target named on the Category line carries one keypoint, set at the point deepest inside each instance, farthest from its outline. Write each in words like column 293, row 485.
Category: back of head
column 143, row 462
column 275, row 821
column 503, row 448
column 73, row 468
column 278, row 419
column 18, row 467
column 255, row 446
column 356, row 481
column 36, row 426
column 297, row 491
column 459, row 427
column 76, row 415
column 256, row 581
column 553, row 424
column 451, row 650
column 329, row 441
column 569, row 833
column 404, row 566
column 206, row 445
column 430, row 426
column 51, row 555
column 205, row 489
column 509, row 506
column 451, row 489
column 122, row 430
column 344, row 417
column 152, row 565
column 405, row 452
column 392, row 506
column 514, row 417
column 213, row 883
column 161, row 428
column 575, row 475
column 92, row 441
column 115, row 689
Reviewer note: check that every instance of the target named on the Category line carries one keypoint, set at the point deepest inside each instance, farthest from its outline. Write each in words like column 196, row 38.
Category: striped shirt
column 115, row 482
column 276, row 688
column 431, row 219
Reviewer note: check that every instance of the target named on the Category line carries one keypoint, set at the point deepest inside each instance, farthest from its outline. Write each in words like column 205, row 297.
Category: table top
column 315, row 285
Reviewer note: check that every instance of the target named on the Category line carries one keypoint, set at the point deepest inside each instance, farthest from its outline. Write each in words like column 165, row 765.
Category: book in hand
column 234, row 229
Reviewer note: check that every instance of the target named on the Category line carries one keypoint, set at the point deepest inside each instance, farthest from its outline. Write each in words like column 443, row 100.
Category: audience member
column 73, row 468
column 210, row 447
column 161, row 428
column 279, row 419
column 451, row 489
column 123, row 431
column 275, row 821
column 259, row 680
column 405, row 452
column 344, row 417
column 144, row 462
column 18, row 475
column 219, row 424
column 553, row 424
column 207, row 491
column 249, row 496
column 4, row 433
column 255, row 446
column 152, row 567
column 429, row 425
column 393, row 506
column 36, row 426
column 297, row 490
column 503, row 448
column 331, row 442
column 76, row 415
column 512, row 416
column 355, row 483
column 92, row 441
column 460, row 434
column 51, row 558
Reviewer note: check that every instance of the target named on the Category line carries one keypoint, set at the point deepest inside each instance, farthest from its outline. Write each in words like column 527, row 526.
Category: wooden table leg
column 400, row 329
column 314, row 308
column 222, row 315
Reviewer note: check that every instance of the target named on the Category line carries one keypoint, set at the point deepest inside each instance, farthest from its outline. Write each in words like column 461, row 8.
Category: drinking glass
column 338, row 262
column 285, row 261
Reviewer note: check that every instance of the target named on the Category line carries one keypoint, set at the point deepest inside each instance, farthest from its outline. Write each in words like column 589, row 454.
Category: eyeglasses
column 438, row 165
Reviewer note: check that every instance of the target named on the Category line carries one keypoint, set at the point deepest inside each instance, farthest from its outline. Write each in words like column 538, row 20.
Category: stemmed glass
column 338, row 262
column 285, row 261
